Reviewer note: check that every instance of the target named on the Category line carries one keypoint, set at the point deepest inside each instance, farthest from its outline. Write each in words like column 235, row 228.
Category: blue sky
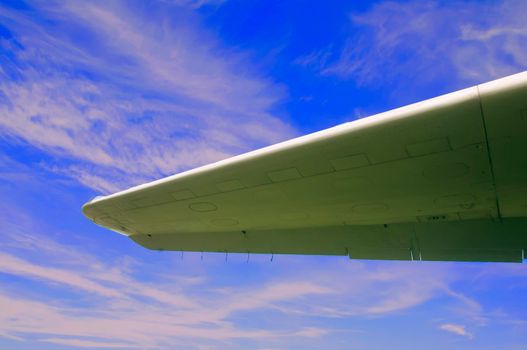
column 99, row 96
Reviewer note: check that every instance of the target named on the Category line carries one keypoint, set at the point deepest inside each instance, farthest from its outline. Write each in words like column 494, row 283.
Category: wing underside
column 443, row 179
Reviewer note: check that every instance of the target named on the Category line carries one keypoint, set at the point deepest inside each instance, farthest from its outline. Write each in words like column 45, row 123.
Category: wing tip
column 88, row 209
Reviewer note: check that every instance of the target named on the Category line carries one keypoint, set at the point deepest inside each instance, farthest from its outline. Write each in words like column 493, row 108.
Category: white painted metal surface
column 443, row 179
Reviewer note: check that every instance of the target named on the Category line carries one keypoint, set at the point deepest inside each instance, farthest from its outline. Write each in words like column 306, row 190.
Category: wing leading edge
column 443, row 179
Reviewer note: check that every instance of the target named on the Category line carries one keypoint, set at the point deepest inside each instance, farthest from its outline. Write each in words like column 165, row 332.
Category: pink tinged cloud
column 456, row 329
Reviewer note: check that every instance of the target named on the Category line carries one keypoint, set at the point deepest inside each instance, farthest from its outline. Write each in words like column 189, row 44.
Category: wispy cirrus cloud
column 90, row 302
column 82, row 343
column 122, row 99
column 131, row 313
column 426, row 42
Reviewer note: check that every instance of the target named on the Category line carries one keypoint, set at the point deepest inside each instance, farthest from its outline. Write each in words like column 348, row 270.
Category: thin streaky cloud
column 207, row 108
column 440, row 39
column 456, row 329
column 81, row 343
column 13, row 265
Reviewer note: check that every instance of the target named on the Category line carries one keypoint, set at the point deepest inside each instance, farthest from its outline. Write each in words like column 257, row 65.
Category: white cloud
column 138, row 99
column 87, row 343
column 456, row 329
column 121, row 310
column 311, row 332
column 425, row 42
column 13, row 265
column 137, row 321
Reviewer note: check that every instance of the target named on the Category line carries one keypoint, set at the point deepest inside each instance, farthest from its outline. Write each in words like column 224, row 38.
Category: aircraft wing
column 442, row 179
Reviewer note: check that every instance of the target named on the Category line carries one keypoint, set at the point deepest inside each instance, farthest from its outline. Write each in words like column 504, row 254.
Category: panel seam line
column 487, row 143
